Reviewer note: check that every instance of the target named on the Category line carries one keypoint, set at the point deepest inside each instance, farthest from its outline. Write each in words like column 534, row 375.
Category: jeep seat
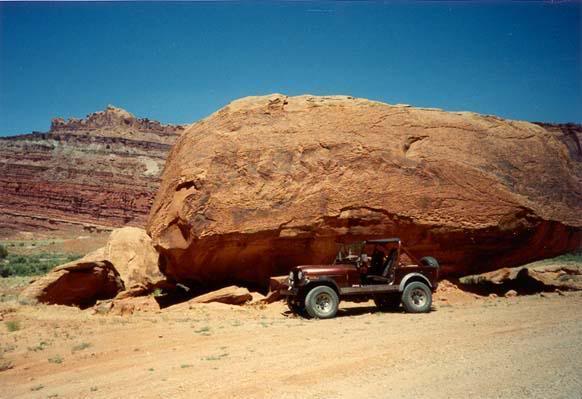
column 388, row 264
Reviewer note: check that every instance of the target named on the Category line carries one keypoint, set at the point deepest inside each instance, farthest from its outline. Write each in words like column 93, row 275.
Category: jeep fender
column 415, row 276
column 321, row 281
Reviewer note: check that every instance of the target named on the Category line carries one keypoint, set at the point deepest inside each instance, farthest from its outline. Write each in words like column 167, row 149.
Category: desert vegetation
column 32, row 264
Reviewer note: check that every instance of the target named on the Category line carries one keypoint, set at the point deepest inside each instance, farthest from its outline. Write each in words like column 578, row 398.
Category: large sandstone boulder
column 131, row 251
column 79, row 283
column 128, row 261
column 270, row 182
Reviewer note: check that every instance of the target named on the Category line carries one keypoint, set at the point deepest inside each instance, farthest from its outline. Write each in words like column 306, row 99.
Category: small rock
column 231, row 295
column 257, row 298
column 272, row 296
column 511, row 294
column 493, row 296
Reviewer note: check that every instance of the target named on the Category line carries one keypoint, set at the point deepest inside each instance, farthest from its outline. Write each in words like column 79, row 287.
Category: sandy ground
column 523, row 347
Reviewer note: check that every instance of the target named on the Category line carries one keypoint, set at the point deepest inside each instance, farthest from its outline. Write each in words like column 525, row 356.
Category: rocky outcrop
column 95, row 173
column 131, row 251
column 79, row 283
column 270, row 182
column 127, row 265
column 528, row 279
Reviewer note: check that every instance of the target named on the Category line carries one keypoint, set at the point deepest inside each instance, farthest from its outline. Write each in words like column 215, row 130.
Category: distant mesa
column 94, row 173
column 112, row 121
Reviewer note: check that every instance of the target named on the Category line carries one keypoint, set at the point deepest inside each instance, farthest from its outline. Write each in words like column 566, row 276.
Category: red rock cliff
column 102, row 171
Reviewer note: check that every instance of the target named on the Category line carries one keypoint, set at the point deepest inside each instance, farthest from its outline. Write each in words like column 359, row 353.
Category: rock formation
column 270, row 182
column 128, row 264
column 94, row 173
column 231, row 295
column 80, row 283
column 131, row 251
column 545, row 277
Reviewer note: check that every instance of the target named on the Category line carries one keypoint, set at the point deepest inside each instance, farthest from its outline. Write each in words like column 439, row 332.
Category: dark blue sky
column 179, row 62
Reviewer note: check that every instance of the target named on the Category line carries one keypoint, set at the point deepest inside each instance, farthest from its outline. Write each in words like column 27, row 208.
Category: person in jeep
column 316, row 290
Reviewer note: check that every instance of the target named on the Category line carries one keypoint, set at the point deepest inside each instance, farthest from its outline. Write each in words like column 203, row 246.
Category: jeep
column 366, row 270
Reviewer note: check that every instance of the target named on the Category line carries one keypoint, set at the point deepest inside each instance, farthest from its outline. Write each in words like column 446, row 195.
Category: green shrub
column 3, row 252
column 13, row 325
column 57, row 359
column 35, row 264
column 81, row 346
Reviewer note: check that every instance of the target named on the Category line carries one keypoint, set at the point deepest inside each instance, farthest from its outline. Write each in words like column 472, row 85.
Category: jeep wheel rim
column 418, row 297
column 323, row 303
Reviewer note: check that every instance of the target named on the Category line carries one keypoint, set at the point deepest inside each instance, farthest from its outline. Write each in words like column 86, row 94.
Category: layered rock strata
column 94, row 173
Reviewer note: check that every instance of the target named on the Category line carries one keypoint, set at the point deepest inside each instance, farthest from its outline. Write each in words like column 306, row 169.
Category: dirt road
column 524, row 347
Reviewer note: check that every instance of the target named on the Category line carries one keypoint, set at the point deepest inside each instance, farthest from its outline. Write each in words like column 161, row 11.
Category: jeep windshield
column 349, row 253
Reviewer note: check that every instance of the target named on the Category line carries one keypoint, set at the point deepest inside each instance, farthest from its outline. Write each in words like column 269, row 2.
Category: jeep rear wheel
column 417, row 298
column 321, row 302
column 387, row 302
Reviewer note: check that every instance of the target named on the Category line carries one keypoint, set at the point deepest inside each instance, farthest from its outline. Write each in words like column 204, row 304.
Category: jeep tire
column 387, row 302
column 417, row 298
column 321, row 302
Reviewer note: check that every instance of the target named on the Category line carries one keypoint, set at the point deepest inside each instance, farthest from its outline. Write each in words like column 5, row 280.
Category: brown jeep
column 372, row 269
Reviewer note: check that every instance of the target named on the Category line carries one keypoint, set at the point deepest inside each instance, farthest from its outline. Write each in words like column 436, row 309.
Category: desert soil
column 523, row 347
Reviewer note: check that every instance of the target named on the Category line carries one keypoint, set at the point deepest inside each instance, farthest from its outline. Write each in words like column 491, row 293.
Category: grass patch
column 37, row 387
column 80, row 347
column 203, row 331
column 7, row 348
column 215, row 357
column 40, row 347
column 57, row 359
column 185, row 366
column 34, row 264
column 12, row 325
column 94, row 389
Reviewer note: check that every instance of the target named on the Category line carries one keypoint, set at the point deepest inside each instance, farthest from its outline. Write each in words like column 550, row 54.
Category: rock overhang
column 274, row 180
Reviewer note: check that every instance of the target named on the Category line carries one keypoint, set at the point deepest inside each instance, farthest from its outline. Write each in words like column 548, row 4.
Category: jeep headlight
column 291, row 276
column 300, row 275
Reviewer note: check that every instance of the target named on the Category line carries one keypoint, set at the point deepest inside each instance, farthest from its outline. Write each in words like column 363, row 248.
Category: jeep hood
column 314, row 270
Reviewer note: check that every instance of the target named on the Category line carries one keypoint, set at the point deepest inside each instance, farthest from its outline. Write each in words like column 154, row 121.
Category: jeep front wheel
column 321, row 302
column 417, row 298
